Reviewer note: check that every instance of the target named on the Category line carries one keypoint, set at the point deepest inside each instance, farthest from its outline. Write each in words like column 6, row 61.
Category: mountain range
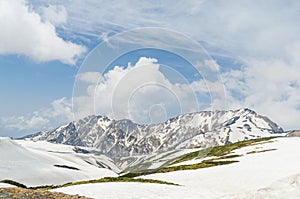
column 122, row 138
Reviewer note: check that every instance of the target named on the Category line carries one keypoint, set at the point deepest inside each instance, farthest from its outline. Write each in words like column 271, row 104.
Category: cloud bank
column 58, row 113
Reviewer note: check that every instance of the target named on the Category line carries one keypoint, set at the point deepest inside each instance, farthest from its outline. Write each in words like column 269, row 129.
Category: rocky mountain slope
column 121, row 138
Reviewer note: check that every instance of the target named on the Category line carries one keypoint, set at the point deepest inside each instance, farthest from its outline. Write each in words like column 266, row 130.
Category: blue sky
column 253, row 48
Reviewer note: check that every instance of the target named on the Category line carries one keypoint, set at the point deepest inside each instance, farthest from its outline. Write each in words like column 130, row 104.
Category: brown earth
column 10, row 193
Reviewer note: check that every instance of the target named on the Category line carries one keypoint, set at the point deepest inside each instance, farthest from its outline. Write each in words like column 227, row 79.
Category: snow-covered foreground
column 270, row 174
column 32, row 163
column 5, row 185
column 128, row 190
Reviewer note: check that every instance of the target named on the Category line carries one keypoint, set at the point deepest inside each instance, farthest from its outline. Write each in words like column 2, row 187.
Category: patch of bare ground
column 10, row 193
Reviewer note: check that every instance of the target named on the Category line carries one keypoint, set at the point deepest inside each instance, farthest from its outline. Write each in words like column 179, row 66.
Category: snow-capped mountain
column 121, row 138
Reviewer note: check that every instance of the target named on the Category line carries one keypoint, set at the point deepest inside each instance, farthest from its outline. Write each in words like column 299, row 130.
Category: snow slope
column 32, row 163
column 288, row 187
column 5, row 185
column 271, row 174
column 128, row 190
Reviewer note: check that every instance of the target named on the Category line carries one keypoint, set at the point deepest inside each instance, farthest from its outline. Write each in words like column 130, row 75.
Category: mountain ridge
column 121, row 138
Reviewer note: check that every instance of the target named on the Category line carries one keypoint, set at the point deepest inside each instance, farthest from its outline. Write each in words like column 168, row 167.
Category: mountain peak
column 119, row 138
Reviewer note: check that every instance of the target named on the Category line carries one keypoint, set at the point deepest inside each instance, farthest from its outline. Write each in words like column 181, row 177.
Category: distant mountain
column 121, row 138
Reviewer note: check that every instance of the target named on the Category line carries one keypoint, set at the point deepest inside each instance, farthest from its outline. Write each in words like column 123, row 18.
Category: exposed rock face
column 120, row 138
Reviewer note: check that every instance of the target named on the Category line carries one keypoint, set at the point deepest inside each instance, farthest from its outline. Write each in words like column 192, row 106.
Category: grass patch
column 219, row 150
column 66, row 167
column 266, row 150
column 120, row 179
column 11, row 182
column 227, row 149
column 227, row 157
column 204, row 164
column 189, row 156
column 103, row 180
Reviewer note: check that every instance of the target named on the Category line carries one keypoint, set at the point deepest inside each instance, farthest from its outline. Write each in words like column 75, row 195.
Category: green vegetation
column 103, row 180
column 266, row 150
column 203, row 164
column 119, row 179
column 11, row 182
column 65, row 166
column 226, row 157
column 189, row 156
column 219, row 150
column 227, row 149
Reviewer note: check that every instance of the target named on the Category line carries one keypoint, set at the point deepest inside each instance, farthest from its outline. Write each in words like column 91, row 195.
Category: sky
column 146, row 61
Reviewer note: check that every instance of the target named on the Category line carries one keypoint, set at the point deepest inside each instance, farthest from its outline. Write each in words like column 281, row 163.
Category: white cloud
column 212, row 65
column 61, row 109
column 245, row 27
column 88, row 77
column 55, row 14
column 269, row 86
column 140, row 92
column 58, row 113
column 23, row 123
column 24, row 32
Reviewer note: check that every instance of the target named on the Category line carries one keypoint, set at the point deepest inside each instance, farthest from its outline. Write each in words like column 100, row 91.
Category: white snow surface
column 5, row 185
column 32, row 163
column 272, row 174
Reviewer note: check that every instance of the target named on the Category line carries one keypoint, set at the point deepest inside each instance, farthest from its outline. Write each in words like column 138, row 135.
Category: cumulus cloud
column 212, row 65
column 141, row 92
column 58, row 113
column 55, row 14
column 269, row 86
column 22, row 123
column 24, row 32
column 88, row 77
